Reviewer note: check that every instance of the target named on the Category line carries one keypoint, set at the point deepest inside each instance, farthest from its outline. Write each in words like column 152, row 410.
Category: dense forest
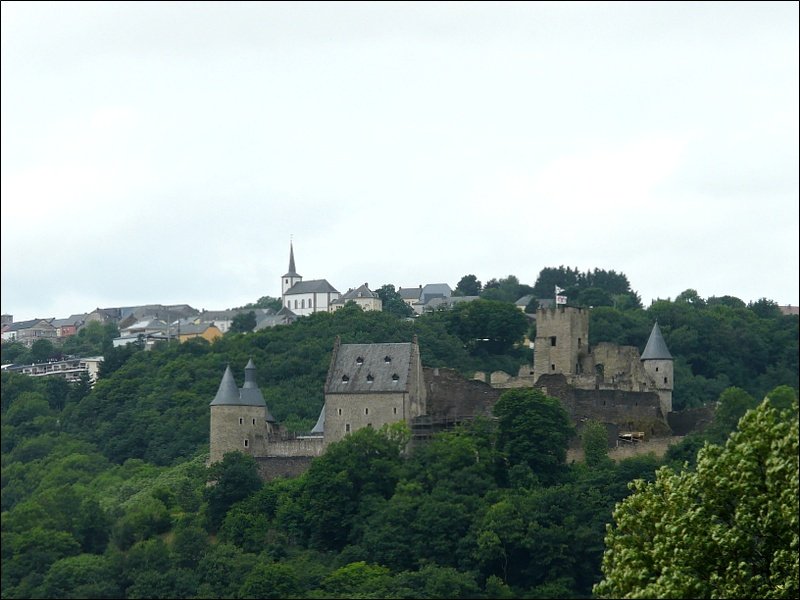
column 104, row 489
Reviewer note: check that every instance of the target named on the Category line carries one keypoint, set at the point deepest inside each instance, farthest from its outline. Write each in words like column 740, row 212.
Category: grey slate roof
column 227, row 393
column 76, row 319
column 292, row 271
column 319, row 286
column 524, row 301
column 410, row 293
column 319, row 428
column 360, row 292
column 656, row 348
column 193, row 329
column 20, row 325
column 363, row 368
column 250, row 394
column 433, row 290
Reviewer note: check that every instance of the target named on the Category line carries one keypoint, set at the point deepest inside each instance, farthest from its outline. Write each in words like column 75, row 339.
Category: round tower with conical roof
column 240, row 419
column 658, row 364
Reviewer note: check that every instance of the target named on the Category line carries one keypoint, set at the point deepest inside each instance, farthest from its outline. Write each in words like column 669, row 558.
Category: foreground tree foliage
column 729, row 529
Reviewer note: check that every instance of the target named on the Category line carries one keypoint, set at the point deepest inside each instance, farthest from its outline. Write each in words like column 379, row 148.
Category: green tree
column 244, row 322
column 728, row 529
column 42, row 350
column 393, row 303
column 533, row 430
column 93, row 339
column 468, row 285
column 15, row 352
column 232, row 479
column 354, row 471
column 507, row 289
column 266, row 302
column 359, row 580
column 487, row 324
column 595, row 444
column 270, row 580
column 82, row 576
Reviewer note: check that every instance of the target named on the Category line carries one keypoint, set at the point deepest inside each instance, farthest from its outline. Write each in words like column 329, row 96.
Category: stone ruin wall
column 452, row 396
column 633, row 411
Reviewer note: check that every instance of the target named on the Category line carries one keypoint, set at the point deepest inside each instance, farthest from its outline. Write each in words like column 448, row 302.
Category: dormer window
column 370, row 378
column 395, row 378
column 387, row 359
column 345, row 379
column 360, row 361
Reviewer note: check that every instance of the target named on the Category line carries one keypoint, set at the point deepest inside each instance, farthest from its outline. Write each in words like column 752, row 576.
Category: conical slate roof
column 656, row 348
column 319, row 428
column 250, row 375
column 292, row 271
column 227, row 393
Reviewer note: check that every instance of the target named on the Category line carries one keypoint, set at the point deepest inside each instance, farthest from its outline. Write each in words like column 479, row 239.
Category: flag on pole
column 559, row 290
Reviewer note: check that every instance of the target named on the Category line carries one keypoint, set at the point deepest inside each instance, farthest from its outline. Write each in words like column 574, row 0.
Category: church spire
column 289, row 279
column 292, row 270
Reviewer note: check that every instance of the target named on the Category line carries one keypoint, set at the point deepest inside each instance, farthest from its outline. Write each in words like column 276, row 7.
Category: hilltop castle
column 371, row 385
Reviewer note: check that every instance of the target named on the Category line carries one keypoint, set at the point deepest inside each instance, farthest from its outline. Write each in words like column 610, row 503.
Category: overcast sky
column 166, row 152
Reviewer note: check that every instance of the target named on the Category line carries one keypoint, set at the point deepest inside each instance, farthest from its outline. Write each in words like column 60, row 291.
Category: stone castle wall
column 270, row 467
column 300, row 446
column 231, row 426
column 639, row 411
column 452, row 396
column 364, row 410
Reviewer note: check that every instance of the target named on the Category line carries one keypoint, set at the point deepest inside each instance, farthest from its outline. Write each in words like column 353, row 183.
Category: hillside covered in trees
column 104, row 489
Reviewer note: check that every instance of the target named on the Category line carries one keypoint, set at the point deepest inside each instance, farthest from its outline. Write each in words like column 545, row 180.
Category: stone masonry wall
column 639, row 411
column 228, row 433
column 363, row 410
column 451, row 395
column 270, row 467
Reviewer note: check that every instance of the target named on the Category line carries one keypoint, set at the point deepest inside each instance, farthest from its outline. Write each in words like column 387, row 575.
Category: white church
column 305, row 297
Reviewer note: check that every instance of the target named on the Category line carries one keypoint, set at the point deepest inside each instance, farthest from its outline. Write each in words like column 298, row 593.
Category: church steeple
column 290, row 277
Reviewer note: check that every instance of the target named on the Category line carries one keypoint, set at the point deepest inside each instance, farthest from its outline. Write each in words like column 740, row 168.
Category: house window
column 246, row 443
column 360, row 361
column 254, row 421
column 665, row 381
column 552, row 367
column 345, row 379
column 347, row 427
column 241, row 421
column 579, row 342
column 656, row 369
column 395, row 378
column 302, row 303
column 295, row 303
column 553, row 340
column 370, row 378
column 340, row 412
column 366, row 411
column 394, row 409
